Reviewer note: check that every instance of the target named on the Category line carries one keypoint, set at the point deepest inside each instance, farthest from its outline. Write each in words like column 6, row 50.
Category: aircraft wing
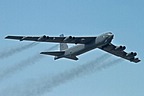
column 119, row 51
column 44, row 38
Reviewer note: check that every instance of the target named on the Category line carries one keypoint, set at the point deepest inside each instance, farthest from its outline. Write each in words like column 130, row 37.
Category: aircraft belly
column 82, row 49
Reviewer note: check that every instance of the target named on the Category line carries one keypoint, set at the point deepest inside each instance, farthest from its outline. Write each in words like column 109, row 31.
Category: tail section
column 61, row 53
column 63, row 46
column 54, row 53
column 57, row 54
column 72, row 57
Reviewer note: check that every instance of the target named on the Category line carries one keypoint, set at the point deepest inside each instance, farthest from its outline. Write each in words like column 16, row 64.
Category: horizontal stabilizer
column 55, row 53
column 72, row 57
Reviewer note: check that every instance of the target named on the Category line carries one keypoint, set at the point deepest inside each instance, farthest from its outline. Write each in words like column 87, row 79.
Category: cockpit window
column 109, row 33
column 105, row 36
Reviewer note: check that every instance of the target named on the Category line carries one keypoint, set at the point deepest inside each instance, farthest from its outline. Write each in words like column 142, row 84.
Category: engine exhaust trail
column 22, row 64
column 72, row 74
column 45, row 84
column 12, row 51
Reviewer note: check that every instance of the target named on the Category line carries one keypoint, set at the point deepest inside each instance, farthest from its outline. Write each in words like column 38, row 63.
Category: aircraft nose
column 111, row 36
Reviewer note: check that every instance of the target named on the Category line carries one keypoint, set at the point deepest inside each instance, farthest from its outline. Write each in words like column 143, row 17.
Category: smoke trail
column 22, row 64
column 39, row 87
column 13, row 51
column 66, row 76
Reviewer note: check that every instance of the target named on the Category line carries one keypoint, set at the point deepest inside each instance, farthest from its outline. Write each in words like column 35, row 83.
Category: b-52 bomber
column 83, row 44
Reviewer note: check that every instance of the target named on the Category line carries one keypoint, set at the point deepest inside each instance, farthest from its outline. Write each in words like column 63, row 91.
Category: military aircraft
column 83, row 44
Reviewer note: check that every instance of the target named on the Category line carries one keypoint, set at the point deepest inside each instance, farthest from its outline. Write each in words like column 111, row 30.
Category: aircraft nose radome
column 109, row 33
column 112, row 36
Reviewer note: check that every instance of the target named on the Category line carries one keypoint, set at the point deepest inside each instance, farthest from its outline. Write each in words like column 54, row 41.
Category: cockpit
column 108, row 35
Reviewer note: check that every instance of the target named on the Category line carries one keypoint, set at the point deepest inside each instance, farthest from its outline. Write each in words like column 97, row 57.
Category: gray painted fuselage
column 99, row 41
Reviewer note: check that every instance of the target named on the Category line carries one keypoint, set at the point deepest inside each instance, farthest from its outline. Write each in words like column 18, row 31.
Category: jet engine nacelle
column 131, row 54
column 120, row 48
column 23, row 38
column 42, row 38
column 69, row 38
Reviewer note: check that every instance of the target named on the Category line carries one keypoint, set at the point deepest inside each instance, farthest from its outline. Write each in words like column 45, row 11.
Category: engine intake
column 69, row 38
column 120, row 48
column 42, row 38
column 23, row 38
column 131, row 54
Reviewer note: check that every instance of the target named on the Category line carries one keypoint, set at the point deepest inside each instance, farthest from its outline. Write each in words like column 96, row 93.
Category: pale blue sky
column 125, row 18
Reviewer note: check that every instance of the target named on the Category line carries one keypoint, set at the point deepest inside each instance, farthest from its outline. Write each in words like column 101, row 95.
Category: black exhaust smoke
column 45, row 84
column 12, row 51
column 22, row 64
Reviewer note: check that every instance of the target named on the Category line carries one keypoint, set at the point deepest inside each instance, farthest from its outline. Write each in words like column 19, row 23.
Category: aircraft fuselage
column 85, row 44
column 99, row 41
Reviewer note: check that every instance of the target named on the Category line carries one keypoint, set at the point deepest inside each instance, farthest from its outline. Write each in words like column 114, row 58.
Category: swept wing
column 119, row 51
column 69, row 39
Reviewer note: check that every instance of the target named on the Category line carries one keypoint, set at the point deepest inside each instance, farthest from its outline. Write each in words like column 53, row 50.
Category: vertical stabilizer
column 63, row 46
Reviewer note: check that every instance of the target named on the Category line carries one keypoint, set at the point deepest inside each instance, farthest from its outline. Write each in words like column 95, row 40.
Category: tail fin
column 63, row 46
column 57, row 54
column 54, row 53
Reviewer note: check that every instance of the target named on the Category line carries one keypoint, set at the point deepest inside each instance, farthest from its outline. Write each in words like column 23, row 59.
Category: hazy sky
column 27, row 73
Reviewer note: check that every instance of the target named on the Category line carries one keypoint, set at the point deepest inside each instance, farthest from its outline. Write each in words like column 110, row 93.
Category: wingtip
column 137, row 61
column 41, row 52
column 6, row 37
